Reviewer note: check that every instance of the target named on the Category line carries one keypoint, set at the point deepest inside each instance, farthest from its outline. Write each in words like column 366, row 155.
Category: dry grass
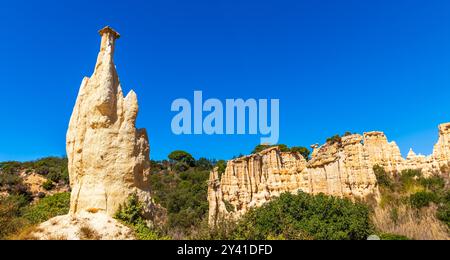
column 28, row 233
column 416, row 224
column 87, row 233
column 58, row 237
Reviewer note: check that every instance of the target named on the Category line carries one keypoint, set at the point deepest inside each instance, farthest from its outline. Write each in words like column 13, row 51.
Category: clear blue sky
column 336, row 66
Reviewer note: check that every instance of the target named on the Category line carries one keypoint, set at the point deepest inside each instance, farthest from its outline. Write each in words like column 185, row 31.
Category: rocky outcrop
column 108, row 157
column 341, row 168
column 82, row 226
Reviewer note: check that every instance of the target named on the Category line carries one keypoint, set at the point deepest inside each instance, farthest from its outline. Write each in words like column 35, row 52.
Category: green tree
column 305, row 152
column 221, row 167
column 204, row 164
column 182, row 157
column 261, row 147
column 335, row 139
column 48, row 185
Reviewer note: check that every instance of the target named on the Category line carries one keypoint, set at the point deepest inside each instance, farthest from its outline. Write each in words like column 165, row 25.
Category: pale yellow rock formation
column 108, row 156
column 343, row 169
column 82, row 226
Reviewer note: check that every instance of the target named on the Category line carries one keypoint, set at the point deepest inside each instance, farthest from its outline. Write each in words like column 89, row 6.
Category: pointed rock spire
column 108, row 157
column 411, row 154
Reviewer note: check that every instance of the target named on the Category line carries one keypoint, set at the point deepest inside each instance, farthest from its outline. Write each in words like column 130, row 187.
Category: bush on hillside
column 443, row 213
column 10, row 211
column 12, row 167
column 422, row 199
column 383, row 179
column 9, row 179
column 48, row 185
column 204, row 164
column 335, row 139
column 53, row 168
column 305, row 216
column 433, row 183
column 131, row 214
column 388, row 236
column 221, row 167
column 48, row 208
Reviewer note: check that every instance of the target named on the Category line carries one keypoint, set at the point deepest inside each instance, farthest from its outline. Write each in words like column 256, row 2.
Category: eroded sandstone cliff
column 343, row 168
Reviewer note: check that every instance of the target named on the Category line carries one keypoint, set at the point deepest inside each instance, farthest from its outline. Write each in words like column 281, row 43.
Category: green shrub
column 229, row 206
column 48, row 208
column 443, row 212
column 422, row 199
column 261, row 147
column 303, row 151
column 53, row 168
column 10, row 212
column 305, row 216
column 408, row 175
column 22, row 190
column 10, row 167
column 388, row 236
column 48, row 185
column 336, row 139
column 433, row 183
column 347, row 133
column 221, row 167
column 204, row 164
column 143, row 232
column 9, row 179
column 180, row 167
column 131, row 214
column 382, row 176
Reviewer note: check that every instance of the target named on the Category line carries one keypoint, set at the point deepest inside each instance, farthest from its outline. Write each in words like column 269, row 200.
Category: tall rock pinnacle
column 108, row 157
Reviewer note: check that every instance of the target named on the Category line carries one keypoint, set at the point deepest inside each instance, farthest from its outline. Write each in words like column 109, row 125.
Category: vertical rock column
column 108, row 157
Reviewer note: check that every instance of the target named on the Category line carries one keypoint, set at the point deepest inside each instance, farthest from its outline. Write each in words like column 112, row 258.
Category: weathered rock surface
column 108, row 156
column 343, row 169
column 82, row 226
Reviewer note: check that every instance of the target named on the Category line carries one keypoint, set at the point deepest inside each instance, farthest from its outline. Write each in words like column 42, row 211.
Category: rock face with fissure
column 108, row 157
column 343, row 168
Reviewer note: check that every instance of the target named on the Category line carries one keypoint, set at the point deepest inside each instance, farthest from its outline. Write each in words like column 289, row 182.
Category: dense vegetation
column 131, row 214
column 52, row 168
column 408, row 197
column 182, row 191
column 180, row 185
column 305, row 216
column 16, row 212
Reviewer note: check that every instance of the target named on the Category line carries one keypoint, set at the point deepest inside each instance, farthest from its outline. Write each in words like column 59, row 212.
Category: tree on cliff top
column 182, row 157
column 305, row 152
